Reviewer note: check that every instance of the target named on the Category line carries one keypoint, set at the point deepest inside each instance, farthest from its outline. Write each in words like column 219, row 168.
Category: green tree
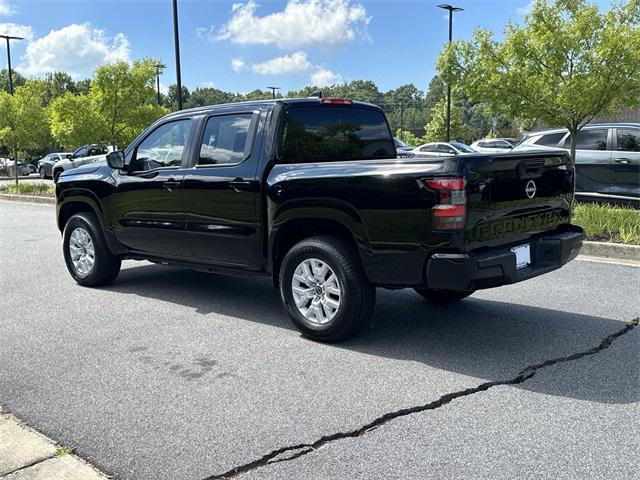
column 567, row 64
column 201, row 97
column 435, row 130
column 75, row 121
column 17, row 79
column 23, row 120
column 124, row 96
column 58, row 83
column 171, row 98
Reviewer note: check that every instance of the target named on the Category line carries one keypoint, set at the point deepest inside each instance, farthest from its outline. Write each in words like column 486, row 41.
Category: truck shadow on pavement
column 486, row 339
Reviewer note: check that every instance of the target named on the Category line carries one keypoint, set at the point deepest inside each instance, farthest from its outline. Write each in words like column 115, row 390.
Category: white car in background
column 82, row 156
column 442, row 149
column 494, row 145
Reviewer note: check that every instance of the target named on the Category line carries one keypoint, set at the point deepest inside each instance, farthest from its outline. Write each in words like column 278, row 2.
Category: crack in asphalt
column 525, row 374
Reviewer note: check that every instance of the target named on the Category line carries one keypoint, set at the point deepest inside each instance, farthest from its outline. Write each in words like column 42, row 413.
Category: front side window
column 628, row 140
column 333, row 133
column 225, row 139
column 163, row 147
column 81, row 152
column 445, row 149
column 592, row 139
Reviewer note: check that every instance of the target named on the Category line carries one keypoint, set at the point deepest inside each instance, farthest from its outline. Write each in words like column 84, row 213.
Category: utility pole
column 273, row 91
column 402, row 119
column 158, row 67
column 8, row 38
column 451, row 10
column 177, row 50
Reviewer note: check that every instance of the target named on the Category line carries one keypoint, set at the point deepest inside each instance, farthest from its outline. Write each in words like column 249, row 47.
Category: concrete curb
column 617, row 251
column 27, row 198
column 26, row 454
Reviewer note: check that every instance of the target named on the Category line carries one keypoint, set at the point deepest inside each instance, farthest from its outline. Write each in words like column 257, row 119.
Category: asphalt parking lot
column 172, row 374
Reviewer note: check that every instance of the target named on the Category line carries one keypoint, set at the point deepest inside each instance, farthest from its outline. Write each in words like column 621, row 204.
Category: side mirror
column 116, row 160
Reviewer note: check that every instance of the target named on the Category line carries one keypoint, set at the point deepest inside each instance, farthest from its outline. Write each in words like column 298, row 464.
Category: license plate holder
column 523, row 255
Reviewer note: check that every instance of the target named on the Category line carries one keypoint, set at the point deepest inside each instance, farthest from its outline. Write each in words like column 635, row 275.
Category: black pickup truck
column 310, row 192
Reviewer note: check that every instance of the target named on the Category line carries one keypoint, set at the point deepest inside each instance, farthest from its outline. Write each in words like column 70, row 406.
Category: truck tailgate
column 512, row 196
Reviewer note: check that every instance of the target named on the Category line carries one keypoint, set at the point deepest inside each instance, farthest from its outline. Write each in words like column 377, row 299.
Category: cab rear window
column 333, row 133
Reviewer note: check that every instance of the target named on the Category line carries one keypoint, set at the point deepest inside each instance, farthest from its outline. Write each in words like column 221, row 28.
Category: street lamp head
column 10, row 37
column 450, row 8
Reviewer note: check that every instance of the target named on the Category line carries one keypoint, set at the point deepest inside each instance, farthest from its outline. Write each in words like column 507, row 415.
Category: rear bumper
column 495, row 267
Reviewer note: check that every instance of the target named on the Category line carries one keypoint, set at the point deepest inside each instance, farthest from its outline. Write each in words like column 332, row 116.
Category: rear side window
column 334, row 133
column 592, row 139
column 225, row 139
column 550, row 139
column 628, row 140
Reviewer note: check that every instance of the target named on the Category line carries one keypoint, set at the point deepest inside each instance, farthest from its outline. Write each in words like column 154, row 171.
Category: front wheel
column 442, row 295
column 325, row 290
column 86, row 254
column 42, row 174
column 56, row 175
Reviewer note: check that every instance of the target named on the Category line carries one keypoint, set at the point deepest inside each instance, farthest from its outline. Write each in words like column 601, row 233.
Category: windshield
column 399, row 143
column 462, row 147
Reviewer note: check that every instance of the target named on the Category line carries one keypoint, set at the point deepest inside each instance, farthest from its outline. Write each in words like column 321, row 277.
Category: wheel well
column 294, row 231
column 70, row 209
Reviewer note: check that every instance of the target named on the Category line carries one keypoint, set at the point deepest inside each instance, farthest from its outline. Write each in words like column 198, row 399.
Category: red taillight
column 336, row 101
column 449, row 213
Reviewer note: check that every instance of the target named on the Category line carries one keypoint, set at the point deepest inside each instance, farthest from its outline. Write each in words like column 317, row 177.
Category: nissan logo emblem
column 531, row 189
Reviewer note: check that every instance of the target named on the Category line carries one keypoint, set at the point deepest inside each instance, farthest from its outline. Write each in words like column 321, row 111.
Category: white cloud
column 327, row 24
column 237, row 64
column 526, row 9
column 5, row 8
column 16, row 30
column 323, row 77
column 76, row 49
column 294, row 63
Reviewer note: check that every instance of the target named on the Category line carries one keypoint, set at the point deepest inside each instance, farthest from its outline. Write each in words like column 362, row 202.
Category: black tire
column 56, row 175
column 106, row 265
column 42, row 174
column 357, row 297
column 442, row 295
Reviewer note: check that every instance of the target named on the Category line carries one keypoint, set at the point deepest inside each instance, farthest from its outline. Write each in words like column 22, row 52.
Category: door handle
column 239, row 184
column 622, row 160
column 171, row 184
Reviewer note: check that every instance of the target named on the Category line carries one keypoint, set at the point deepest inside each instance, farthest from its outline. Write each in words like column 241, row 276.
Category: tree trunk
column 15, row 162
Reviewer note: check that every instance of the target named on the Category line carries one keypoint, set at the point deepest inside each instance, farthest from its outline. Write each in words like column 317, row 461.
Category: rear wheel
column 325, row 290
column 86, row 254
column 442, row 295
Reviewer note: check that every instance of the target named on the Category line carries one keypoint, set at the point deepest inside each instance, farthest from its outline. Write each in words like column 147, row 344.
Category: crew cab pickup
column 310, row 192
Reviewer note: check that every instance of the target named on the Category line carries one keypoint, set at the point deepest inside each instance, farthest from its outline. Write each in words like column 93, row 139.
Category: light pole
column 8, row 38
column 451, row 10
column 177, row 49
column 273, row 91
column 158, row 67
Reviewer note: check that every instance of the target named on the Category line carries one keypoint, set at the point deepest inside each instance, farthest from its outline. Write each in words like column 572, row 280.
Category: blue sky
column 253, row 44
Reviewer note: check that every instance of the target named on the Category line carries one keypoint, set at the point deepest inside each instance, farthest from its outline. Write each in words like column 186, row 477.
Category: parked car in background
column 402, row 149
column 493, row 145
column 81, row 156
column 607, row 159
column 442, row 149
column 7, row 167
column 45, row 165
